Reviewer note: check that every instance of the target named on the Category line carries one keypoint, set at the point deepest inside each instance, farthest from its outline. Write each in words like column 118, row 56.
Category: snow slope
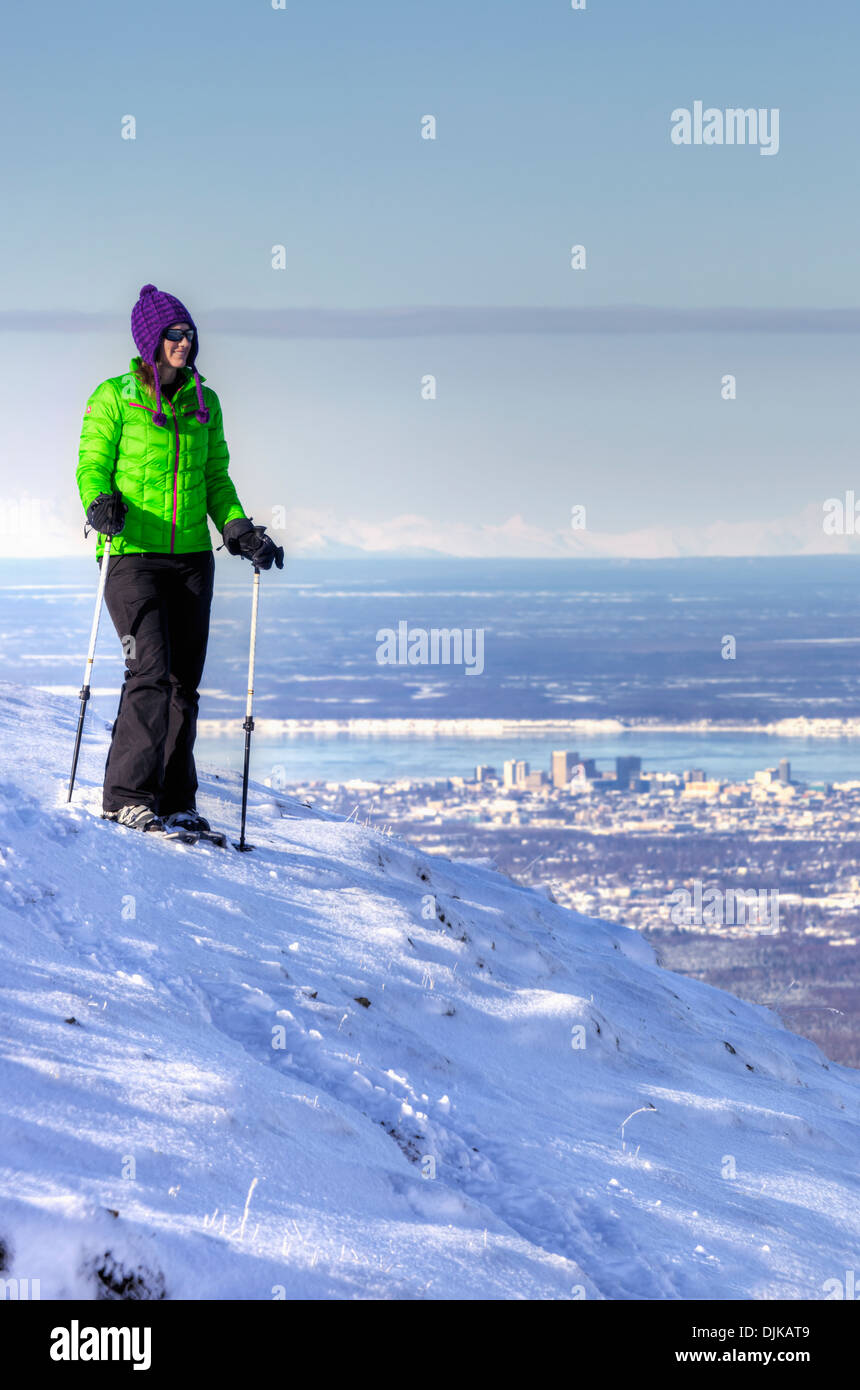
column 162, row 1144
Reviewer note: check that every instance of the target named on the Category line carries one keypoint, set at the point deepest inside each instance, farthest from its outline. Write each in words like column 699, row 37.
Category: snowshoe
column 145, row 819
column 135, row 817
column 195, row 823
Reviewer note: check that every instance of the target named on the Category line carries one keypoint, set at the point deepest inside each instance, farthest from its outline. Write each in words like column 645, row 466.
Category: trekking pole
column 249, row 719
column 85, row 688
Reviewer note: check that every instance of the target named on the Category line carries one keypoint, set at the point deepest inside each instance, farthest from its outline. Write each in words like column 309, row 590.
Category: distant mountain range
column 315, row 533
column 47, row 530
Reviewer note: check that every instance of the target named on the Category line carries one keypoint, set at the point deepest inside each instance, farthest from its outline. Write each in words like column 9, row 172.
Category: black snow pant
column 159, row 605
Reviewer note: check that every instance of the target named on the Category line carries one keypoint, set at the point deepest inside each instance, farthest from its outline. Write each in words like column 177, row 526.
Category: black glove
column 107, row 513
column 242, row 537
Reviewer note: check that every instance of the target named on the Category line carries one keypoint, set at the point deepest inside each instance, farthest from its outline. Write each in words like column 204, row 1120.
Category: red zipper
column 175, row 474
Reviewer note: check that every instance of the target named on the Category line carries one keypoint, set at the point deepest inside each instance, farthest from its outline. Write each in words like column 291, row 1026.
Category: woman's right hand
column 107, row 513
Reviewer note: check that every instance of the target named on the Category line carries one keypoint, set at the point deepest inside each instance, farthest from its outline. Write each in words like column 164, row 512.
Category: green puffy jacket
column 170, row 477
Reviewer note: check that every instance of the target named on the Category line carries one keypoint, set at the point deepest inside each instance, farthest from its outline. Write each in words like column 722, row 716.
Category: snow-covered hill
column 240, row 1076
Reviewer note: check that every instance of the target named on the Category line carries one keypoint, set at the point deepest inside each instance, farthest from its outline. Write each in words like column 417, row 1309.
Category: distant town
column 622, row 842
column 567, row 772
column 572, row 795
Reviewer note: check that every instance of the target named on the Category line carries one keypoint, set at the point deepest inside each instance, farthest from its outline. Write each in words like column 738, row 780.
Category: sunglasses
column 177, row 334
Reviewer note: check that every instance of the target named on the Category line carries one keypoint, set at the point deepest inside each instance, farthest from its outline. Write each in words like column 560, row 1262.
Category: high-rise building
column 521, row 772
column 484, row 773
column 535, row 780
column 509, row 774
column 625, row 768
column 784, row 770
column 561, row 767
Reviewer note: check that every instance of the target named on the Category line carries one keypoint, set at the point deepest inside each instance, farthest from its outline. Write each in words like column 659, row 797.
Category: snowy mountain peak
column 338, row 1067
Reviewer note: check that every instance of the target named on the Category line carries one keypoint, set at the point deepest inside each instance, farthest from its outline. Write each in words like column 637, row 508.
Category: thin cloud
column 453, row 321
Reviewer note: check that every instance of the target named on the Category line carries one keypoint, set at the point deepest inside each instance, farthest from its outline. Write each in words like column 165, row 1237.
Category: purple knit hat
column 154, row 311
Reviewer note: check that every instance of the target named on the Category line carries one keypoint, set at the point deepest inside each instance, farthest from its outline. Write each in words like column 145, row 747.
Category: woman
column 148, row 477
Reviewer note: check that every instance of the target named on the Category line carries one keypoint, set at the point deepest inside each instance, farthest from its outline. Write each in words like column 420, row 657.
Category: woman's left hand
column 241, row 537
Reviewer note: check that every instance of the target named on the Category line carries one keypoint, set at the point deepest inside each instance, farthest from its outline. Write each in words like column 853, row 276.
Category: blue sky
column 300, row 127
